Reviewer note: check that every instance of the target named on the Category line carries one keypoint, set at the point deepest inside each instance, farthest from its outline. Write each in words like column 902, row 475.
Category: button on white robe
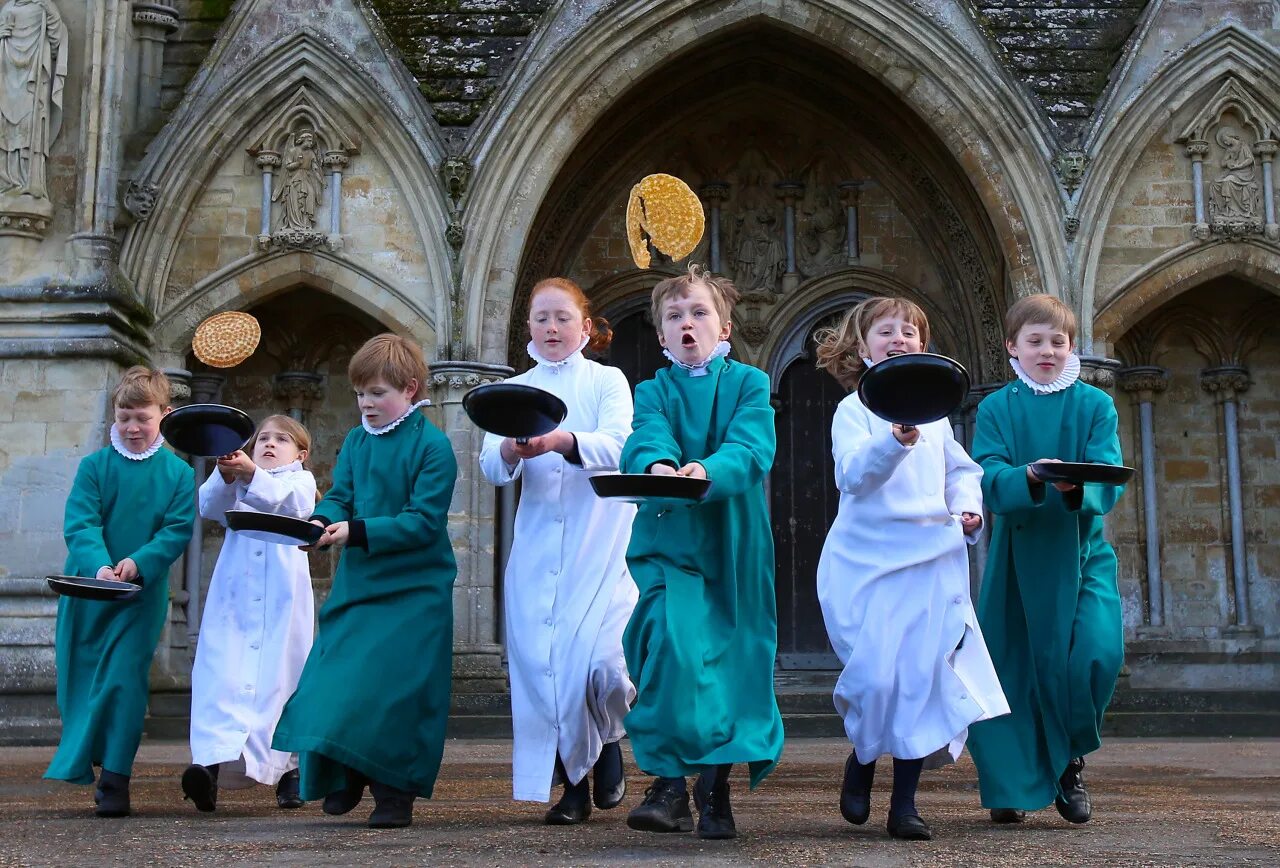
column 567, row 592
column 257, row 628
column 893, row 582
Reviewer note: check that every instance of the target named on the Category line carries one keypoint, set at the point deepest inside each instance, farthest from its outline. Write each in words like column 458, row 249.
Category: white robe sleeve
column 292, row 494
column 494, row 466
column 217, row 496
column 964, row 483
column 864, row 458
column 601, row 448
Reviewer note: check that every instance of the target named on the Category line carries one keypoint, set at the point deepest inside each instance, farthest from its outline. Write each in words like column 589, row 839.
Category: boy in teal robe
column 701, row 641
column 373, row 699
column 128, row 517
column 1049, row 605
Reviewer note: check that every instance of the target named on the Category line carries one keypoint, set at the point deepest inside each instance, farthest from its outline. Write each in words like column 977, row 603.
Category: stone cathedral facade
column 343, row 167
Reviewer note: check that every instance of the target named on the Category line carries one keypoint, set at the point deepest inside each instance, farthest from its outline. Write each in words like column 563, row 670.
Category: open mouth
column 896, row 353
column 688, row 340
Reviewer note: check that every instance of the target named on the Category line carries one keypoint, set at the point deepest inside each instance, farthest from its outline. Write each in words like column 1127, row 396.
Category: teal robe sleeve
column 425, row 515
column 1005, row 486
column 336, row 504
column 652, row 440
column 1102, row 447
column 82, row 522
column 155, row 557
column 746, row 453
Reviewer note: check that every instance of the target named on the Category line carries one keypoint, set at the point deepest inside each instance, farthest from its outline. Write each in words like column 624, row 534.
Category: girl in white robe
column 893, row 579
column 258, row 622
column 567, row 592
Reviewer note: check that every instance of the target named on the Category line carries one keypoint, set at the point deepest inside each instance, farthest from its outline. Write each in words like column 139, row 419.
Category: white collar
column 284, row 468
column 425, row 402
column 700, row 369
column 567, row 360
column 1070, row 373
column 117, row 442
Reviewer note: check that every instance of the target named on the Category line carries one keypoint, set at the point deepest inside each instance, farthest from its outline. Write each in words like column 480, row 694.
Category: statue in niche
column 820, row 234
column 1233, row 197
column 302, row 184
column 758, row 258
column 33, row 73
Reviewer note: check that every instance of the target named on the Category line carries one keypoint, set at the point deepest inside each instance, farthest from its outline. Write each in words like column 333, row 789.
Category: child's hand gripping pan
column 914, row 388
column 284, row 530
column 651, row 488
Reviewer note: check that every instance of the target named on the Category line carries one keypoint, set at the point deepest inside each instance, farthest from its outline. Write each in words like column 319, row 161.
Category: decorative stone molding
column 1071, row 227
column 1225, row 382
column 155, row 15
column 1099, row 371
column 1143, row 381
column 455, row 171
column 298, row 389
column 1070, row 167
column 179, row 385
column 25, row 217
column 138, row 201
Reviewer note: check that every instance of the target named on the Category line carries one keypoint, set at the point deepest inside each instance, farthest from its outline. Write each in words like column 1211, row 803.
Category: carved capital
column 850, row 191
column 25, row 216
column 714, row 192
column 205, row 388
column 1144, row 381
column 1099, row 371
column 789, row 191
column 335, row 161
column 450, row 380
column 1224, row 383
column 179, row 385
column 155, row 15
column 267, row 160
column 1197, row 149
column 298, row 388
column 1266, row 148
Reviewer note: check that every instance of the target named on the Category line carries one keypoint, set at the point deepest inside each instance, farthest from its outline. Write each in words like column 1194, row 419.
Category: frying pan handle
column 522, row 441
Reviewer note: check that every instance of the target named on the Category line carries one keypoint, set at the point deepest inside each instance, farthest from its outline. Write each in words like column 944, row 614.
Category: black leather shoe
column 1074, row 804
column 200, row 785
column 855, row 795
column 1007, row 815
column 341, row 801
column 715, row 815
column 287, row 795
column 665, row 808
column 574, row 806
column 609, row 778
column 908, row 827
column 112, row 795
column 392, row 809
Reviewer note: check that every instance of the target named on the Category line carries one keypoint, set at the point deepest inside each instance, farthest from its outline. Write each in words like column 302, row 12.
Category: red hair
column 601, row 335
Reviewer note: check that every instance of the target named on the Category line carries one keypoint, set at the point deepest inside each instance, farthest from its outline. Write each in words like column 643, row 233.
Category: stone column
column 713, row 193
column 335, row 162
column 1197, row 150
column 1225, row 383
column 267, row 161
column 1266, row 151
column 152, row 24
column 789, row 192
column 1144, row 382
column 1099, row 371
column 298, row 391
column 851, row 192
column 477, row 654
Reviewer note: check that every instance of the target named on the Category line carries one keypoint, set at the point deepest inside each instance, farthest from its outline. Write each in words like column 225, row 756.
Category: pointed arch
column 573, row 74
column 1189, row 77
column 186, row 154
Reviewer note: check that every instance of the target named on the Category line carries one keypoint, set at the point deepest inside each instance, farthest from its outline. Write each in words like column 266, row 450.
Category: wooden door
column 635, row 348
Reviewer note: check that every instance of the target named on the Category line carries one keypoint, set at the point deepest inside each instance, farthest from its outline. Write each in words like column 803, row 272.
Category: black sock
column 864, row 774
column 906, row 777
column 721, row 776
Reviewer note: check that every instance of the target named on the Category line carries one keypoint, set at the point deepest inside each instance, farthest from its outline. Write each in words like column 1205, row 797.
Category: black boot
column 711, row 795
column 200, row 785
column 393, row 809
column 855, row 791
column 1074, row 804
column 609, row 777
column 1007, row 815
column 287, row 795
column 575, row 805
column 665, row 808
column 112, row 795
column 341, row 801
column 908, row 827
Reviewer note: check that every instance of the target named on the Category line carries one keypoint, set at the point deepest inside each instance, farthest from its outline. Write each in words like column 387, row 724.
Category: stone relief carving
column 301, row 187
column 33, row 74
column 1234, row 195
column 1070, row 166
column 139, row 200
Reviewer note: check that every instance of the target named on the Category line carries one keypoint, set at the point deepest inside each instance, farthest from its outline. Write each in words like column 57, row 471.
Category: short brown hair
column 1039, row 309
column 840, row 347
column 296, row 430
column 601, row 335
column 391, row 358
column 141, row 386
column 723, row 293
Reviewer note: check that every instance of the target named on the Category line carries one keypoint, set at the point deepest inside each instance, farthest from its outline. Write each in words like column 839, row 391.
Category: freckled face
column 691, row 326
column 381, row 403
column 556, row 324
column 1042, row 350
column 274, row 448
column 139, row 427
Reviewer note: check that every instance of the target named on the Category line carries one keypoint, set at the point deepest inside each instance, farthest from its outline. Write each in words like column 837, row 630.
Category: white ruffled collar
column 532, row 349
column 425, row 402
column 284, row 468
column 1070, row 373
column 117, row 443
column 700, row 369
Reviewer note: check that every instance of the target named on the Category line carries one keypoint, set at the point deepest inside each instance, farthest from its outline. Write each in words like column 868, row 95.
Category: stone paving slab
column 1184, row 802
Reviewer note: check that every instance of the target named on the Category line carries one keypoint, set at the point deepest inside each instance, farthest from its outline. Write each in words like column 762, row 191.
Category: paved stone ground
column 1157, row 803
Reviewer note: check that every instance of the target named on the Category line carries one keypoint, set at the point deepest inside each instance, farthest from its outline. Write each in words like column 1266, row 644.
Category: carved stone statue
column 301, row 184
column 33, row 72
column 820, row 244
column 1233, row 197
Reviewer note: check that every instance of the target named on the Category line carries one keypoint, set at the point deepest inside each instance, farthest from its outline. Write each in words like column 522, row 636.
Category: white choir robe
column 256, row 631
column 567, row 591
column 893, row 582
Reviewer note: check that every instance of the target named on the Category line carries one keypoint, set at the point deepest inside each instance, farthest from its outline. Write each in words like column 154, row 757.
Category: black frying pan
column 209, row 430
column 650, row 487
column 265, row 527
column 1081, row 472
column 914, row 388
column 514, row 410
column 89, row 588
